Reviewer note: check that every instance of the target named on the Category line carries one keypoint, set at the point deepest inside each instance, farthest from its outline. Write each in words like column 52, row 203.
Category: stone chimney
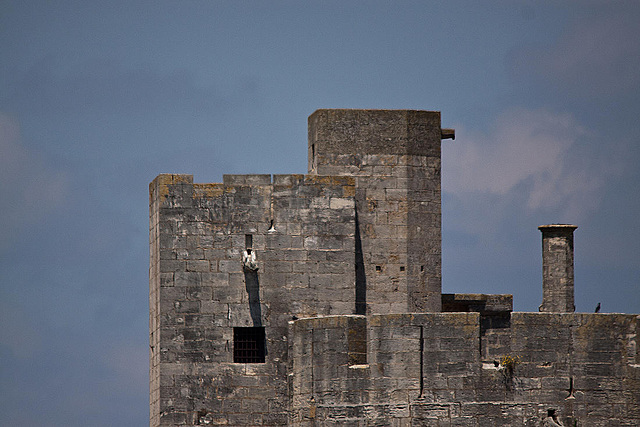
column 557, row 268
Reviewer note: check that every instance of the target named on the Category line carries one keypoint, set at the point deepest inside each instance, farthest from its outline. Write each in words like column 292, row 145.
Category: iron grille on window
column 248, row 345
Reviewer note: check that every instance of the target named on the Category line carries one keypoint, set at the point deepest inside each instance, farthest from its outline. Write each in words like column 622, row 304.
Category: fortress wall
column 586, row 363
column 495, row 320
column 301, row 230
column 440, row 368
column 326, row 371
column 571, row 368
column 328, row 389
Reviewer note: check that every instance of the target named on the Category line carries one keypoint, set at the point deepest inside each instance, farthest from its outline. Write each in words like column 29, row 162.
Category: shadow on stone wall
column 252, row 284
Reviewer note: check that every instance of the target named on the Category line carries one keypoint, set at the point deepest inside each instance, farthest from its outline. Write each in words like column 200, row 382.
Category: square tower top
column 372, row 132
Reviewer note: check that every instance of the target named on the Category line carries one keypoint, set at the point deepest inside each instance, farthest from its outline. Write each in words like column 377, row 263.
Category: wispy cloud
column 528, row 152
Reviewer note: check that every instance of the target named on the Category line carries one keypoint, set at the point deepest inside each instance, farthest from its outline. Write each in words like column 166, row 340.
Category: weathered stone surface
column 347, row 289
column 557, row 268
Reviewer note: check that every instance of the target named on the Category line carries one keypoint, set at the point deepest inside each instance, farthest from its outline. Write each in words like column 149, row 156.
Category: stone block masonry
column 557, row 268
column 301, row 231
column 315, row 300
column 394, row 156
column 428, row 369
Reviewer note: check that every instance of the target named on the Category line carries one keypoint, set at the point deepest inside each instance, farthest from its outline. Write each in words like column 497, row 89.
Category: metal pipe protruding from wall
column 557, row 268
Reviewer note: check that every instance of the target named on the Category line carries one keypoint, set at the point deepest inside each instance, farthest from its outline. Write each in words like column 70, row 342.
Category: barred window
column 248, row 345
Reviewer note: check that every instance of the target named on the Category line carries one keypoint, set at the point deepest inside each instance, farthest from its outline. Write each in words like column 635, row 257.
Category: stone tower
column 394, row 156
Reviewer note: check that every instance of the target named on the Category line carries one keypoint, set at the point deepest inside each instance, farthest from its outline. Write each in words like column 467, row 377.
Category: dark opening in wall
column 378, row 268
column 361, row 277
column 249, row 345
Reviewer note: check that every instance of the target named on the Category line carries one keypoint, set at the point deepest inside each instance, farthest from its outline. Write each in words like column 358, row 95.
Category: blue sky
column 96, row 99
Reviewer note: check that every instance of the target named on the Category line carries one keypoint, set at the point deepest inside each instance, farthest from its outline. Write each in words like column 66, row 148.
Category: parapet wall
column 428, row 369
